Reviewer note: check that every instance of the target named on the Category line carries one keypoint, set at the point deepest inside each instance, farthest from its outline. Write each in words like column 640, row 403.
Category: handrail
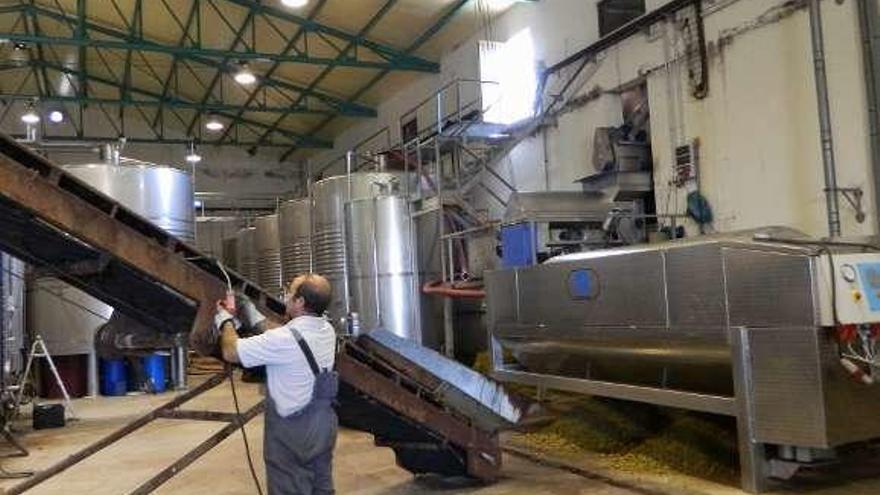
column 457, row 82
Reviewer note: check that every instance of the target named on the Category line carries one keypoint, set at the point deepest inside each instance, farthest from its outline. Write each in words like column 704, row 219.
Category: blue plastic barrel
column 154, row 372
column 113, row 377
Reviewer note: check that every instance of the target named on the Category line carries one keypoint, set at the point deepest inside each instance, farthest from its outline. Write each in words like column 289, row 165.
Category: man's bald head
column 309, row 294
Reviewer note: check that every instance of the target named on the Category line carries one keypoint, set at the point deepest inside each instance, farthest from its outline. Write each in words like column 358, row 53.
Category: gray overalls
column 298, row 449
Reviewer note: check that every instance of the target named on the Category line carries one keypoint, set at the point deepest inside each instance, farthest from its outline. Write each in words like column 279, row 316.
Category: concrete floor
column 359, row 467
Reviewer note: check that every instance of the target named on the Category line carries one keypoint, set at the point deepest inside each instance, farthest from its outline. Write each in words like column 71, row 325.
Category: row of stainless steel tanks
column 355, row 230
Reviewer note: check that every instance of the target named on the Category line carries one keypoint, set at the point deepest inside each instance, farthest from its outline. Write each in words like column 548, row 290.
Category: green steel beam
column 146, row 45
column 416, row 44
column 389, row 4
column 194, row 15
column 61, row 139
column 157, row 100
column 345, row 107
column 395, row 57
column 239, row 33
column 391, row 59
column 306, row 141
column 291, row 45
column 82, row 34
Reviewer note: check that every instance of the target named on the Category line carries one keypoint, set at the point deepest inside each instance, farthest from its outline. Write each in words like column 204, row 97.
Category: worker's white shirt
column 288, row 375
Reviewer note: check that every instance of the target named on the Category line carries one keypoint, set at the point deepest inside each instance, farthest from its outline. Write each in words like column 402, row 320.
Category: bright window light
column 294, row 3
column 512, row 80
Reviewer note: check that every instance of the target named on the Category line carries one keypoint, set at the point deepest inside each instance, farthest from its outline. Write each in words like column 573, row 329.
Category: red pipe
column 438, row 288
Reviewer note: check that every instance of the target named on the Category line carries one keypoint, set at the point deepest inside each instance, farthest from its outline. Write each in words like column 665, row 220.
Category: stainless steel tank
column 12, row 317
column 268, row 246
column 328, row 224
column 246, row 253
column 68, row 318
column 382, row 273
column 163, row 195
column 229, row 255
column 294, row 229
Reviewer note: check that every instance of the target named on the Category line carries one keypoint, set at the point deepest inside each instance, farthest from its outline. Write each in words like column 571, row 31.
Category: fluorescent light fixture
column 214, row 124
column 56, row 117
column 294, row 3
column 30, row 117
column 244, row 76
column 192, row 156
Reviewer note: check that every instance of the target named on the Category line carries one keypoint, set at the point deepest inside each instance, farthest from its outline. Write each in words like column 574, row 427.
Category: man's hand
column 248, row 312
column 223, row 316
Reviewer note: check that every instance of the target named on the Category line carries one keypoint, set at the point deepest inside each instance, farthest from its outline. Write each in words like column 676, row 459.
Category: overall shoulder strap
column 307, row 351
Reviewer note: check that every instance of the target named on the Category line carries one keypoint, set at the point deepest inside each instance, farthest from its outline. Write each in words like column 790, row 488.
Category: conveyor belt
column 60, row 225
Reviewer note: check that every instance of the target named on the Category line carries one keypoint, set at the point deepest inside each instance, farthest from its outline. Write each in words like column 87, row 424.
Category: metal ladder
column 39, row 350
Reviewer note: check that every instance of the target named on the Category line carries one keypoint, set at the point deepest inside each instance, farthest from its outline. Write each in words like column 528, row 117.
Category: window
column 511, row 79
column 410, row 130
column 616, row 13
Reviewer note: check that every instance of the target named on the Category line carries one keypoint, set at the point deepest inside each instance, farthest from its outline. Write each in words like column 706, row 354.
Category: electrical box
column 519, row 245
column 854, row 282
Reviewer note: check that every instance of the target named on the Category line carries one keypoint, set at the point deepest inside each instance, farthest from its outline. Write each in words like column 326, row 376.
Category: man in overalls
column 300, row 423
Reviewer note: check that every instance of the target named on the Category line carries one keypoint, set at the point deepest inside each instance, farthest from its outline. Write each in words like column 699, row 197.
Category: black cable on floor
column 247, row 447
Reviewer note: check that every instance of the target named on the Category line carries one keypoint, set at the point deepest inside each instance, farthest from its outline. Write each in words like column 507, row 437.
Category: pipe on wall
column 826, row 136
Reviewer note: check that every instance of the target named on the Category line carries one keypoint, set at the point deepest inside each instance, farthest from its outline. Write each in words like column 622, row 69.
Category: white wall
column 758, row 127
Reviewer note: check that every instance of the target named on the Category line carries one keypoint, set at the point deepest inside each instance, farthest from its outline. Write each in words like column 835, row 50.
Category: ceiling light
column 214, row 124
column 192, row 156
column 56, row 117
column 244, row 76
column 30, row 117
column 294, row 3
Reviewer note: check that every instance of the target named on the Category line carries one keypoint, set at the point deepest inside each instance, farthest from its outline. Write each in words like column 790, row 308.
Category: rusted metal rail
column 61, row 226
column 168, row 410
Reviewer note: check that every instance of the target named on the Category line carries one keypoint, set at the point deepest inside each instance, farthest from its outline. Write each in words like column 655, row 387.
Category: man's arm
column 229, row 343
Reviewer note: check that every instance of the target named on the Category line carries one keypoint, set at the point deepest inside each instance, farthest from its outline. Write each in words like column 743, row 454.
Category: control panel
column 855, row 282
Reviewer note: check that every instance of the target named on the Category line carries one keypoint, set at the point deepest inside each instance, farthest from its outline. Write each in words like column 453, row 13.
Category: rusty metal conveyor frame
column 62, row 226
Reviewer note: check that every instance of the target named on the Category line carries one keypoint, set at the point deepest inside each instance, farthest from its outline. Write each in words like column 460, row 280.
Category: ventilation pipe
column 825, row 134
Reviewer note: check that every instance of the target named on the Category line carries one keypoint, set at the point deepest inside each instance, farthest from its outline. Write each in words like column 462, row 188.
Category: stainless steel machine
column 268, row 252
column 295, row 231
column 538, row 225
column 768, row 326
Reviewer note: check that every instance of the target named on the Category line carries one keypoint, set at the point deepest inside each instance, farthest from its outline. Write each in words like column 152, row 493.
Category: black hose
column 247, row 447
